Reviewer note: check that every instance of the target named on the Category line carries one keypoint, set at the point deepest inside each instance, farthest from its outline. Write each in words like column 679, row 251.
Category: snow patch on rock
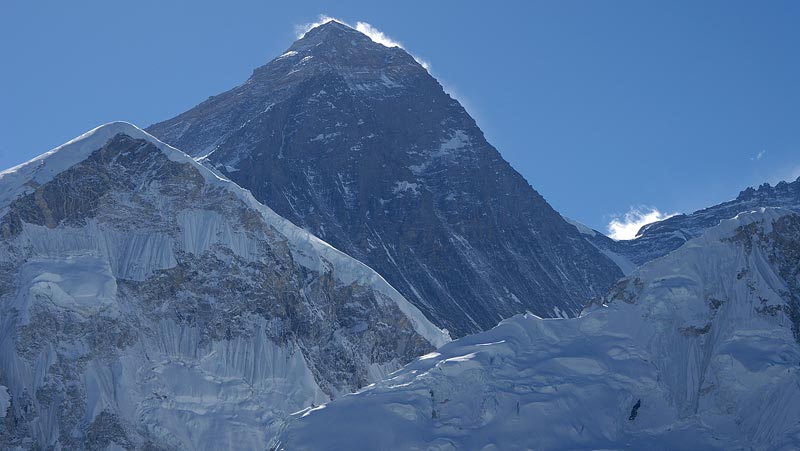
column 403, row 186
column 5, row 401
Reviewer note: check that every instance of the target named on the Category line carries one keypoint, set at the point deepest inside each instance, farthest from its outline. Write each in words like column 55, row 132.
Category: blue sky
column 602, row 106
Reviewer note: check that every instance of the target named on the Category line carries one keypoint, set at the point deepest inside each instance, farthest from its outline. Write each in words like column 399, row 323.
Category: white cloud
column 377, row 35
column 759, row 155
column 363, row 27
column 627, row 226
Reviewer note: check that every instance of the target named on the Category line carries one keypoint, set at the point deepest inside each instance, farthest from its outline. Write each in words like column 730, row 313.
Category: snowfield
column 695, row 350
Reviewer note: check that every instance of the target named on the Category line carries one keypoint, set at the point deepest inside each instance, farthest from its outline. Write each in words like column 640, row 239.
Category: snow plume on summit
column 364, row 27
column 627, row 226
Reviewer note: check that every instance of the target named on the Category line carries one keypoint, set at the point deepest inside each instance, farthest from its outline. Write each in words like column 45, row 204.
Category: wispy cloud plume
column 368, row 29
column 377, row 35
column 626, row 227
column 759, row 155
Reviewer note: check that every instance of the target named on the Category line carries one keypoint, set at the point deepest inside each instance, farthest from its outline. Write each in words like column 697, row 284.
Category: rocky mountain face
column 659, row 238
column 358, row 144
column 148, row 303
column 698, row 349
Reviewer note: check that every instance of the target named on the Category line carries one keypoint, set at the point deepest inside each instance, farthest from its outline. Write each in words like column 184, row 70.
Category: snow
column 388, row 82
column 623, row 263
column 581, row 228
column 288, row 54
column 189, row 389
column 347, row 192
column 325, row 137
column 403, row 186
column 80, row 284
column 457, row 141
column 22, row 179
column 132, row 255
column 307, row 249
column 679, row 358
column 418, row 169
column 233, row 399
column 5, row 401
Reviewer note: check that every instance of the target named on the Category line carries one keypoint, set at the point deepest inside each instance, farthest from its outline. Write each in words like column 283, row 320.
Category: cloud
column 377, row 35
column 627, row 226
column 363, row 27
column 759, row 155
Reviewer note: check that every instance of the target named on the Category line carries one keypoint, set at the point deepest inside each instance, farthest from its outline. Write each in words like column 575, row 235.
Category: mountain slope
column 357, row 143
column 696, row 350
column 148, row 303
column 659, row 238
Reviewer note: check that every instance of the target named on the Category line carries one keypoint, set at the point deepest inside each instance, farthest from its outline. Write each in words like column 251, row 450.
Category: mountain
column 148, row 303
column 357, row 143
column 659, row 238
column 698, row 349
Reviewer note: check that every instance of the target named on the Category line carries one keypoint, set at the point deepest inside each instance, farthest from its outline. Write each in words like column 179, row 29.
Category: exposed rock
column 357, row 143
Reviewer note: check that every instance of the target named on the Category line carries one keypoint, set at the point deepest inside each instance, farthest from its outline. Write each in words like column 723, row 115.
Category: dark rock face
column 660, row 238
column 358, row 144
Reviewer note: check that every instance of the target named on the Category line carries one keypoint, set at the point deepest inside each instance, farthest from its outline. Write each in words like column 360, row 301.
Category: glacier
column 694, row 350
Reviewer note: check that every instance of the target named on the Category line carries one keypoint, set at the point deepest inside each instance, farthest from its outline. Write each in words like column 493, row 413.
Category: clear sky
column 601, row 105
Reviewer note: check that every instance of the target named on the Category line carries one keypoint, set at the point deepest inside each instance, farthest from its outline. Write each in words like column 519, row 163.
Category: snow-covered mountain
column 659, row 238
column 696, row 350
column 148, row 303
column 359, row 144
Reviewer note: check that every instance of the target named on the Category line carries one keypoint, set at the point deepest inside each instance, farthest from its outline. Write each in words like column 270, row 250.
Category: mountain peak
column 364, row 58
column 20, row 179
column 331, row 26
column 351, row 138
column 332, row 34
